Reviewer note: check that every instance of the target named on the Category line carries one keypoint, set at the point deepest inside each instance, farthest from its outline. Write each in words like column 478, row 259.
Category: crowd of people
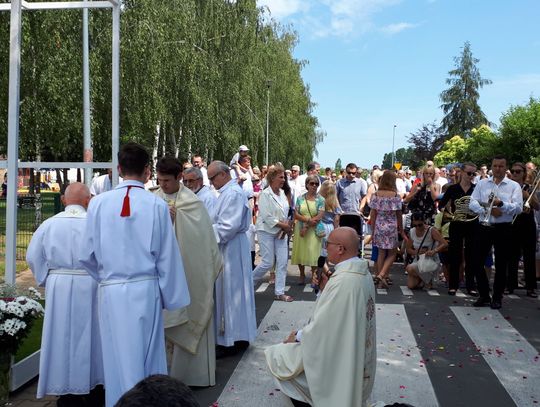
column 116, row 257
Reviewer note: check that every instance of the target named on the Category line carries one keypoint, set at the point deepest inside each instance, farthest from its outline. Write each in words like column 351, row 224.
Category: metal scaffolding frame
column 13, row 164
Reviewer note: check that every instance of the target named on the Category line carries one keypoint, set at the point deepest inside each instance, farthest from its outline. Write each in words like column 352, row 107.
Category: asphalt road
column 433, row 350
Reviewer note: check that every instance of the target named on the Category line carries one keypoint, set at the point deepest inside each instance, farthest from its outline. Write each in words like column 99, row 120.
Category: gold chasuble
column 202, row 264
column 334, row 362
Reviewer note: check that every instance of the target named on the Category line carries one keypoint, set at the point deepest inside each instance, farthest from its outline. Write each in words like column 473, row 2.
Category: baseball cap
column 243, row 148
column 295, row 168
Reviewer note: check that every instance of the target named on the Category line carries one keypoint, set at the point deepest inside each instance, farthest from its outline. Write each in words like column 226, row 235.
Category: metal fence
column 32, row 210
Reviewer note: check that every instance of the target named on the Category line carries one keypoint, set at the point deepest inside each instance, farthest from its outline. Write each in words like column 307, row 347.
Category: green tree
column 451, row 152
column 460, row 105
column 338, row 166
column 426, row 141
column 405, row 156
column 520, row 132
column 481, row 146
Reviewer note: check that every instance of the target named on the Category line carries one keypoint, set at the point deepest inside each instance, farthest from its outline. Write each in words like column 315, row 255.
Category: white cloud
column 392, row 29
column 337, row 18
column 281, row 9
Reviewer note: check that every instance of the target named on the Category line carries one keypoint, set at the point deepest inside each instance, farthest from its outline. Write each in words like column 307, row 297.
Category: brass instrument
column 536, row 183
column 527, row 203
column 486, row 217
column 462, row 213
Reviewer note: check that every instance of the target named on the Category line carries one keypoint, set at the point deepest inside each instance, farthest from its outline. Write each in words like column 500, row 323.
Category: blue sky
column 376, row 63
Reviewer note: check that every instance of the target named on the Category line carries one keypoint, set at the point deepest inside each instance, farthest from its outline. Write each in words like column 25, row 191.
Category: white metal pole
column 87, row 153
column 13, row 140
column 267, row 120
column 115, row 91
column 393, row 150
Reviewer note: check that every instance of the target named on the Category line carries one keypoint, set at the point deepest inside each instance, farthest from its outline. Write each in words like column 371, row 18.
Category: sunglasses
column 470, row 173
column 311, row 184
column 415, row 225
column 351, row 172
column 516, row 171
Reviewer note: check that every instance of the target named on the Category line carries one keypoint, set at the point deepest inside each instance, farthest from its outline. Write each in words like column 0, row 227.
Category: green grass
column 32, row 342
column 26, row 224
column 21, row 266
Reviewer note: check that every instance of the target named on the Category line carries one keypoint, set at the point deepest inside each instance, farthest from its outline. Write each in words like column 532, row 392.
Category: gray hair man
column 193, row 179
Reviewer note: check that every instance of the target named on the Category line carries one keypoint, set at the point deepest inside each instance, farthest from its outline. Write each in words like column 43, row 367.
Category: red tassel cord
column 126, row 210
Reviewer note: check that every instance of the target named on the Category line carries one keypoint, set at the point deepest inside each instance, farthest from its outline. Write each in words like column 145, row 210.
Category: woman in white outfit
column 272, row 229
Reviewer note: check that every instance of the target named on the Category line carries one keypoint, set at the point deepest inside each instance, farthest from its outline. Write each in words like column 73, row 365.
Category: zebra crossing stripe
column 400, row 368
column 513, row 360
column 433, row 293
column 308, row 289
column 460, row 294
column 262, row 287
column 398, row 376
column 382, row 291
column 287, row 288
column 512, row 296
column 406, row 290
column 251, row 384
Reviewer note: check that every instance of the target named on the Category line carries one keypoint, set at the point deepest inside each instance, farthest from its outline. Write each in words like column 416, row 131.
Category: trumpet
column 486, row 217
column 536, row 183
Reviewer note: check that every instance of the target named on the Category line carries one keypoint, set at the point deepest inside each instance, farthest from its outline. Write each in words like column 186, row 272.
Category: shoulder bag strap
column 422, row 242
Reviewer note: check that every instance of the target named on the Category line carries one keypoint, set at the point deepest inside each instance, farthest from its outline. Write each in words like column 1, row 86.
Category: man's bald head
column 342, row 244
column 76, row 194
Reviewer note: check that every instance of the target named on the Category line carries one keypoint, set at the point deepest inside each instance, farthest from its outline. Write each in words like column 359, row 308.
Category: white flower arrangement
column 17, row 313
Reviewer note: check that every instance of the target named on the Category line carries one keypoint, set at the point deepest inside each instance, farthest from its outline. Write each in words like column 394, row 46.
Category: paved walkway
column 26, row 397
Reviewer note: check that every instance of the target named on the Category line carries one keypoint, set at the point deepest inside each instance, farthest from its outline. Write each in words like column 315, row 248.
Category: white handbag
column 428, row 267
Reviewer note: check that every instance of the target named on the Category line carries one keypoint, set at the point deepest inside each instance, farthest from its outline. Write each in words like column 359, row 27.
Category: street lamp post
column 393, row 150
column 268, row 83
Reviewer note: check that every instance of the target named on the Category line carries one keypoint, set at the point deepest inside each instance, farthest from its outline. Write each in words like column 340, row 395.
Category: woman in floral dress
column 386, row 222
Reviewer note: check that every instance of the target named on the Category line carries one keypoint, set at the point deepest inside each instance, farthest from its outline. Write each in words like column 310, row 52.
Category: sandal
column 382, row 283
column 284, row 297
column 472, row 293
column 388, row 280
column 452, row 291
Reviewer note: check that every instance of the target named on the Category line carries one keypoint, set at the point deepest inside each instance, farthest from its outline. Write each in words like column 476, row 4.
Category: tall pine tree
column 460, row 101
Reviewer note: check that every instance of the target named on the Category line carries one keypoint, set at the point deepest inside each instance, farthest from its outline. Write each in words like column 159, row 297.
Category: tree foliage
column 194, row 79
column 338, row 167
column 460, row 105
column 451, row 152
column 426, row 141
column 405, row 156
column 520, row 132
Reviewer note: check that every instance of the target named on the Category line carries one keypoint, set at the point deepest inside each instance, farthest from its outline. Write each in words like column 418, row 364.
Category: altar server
column 130, row 249
column 71, row 361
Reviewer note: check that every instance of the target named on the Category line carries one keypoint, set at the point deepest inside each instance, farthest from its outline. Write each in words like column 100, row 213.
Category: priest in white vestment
column 190, row 331
column 332, row 360
column 235, row 303
column 71, row 359
column 131, row 250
